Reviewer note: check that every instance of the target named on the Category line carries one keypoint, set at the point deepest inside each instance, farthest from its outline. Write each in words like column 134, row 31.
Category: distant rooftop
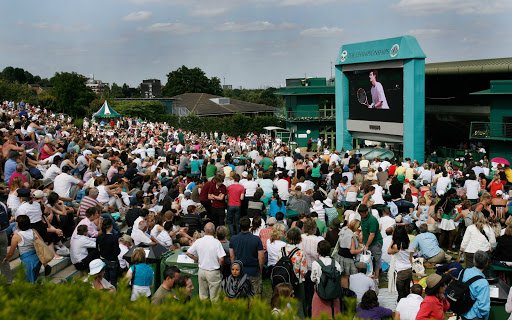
column 498, row 65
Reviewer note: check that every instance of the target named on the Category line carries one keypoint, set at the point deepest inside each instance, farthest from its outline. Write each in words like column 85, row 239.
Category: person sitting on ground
column 369, row 307
column 435, row 304
column 426, row 243
column 237, row 284
column 82, row 249
column 171, row 275
column 283, row 292
column 408, row 307
column 97, row 272
column 360, row 282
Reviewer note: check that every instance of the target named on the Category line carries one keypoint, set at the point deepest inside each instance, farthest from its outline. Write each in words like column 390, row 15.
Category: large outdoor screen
column 376, row 94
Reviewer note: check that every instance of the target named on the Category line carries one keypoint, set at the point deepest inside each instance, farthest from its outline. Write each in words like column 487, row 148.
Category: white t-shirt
column 274, row 251
column 208, row 250
column 250, row 187
column 385, row 222
column 52, row 172
column 139, row 237
column 282, row 189
column 472, row 189
column 103, row 196
column 63, row 183
column 409, row 306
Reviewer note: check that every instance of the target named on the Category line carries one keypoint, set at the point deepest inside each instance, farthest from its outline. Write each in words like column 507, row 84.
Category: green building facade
column 310, row 110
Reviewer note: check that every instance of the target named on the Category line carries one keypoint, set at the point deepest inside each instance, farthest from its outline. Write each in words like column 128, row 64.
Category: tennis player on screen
column 378, row 97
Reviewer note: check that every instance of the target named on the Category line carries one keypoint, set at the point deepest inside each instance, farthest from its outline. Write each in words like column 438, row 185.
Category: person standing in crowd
column 217, row 194
column 309, row 245
column 208, row 252
column 403, row 261
column 140, row 275
column 171, row 275
column 479, row 289
column 235, row 193
column 237, row 284
column 248, row 249
column 372, row 238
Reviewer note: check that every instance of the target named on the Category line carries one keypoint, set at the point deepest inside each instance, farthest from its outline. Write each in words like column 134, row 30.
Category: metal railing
column 490, row 131
column 328, row 114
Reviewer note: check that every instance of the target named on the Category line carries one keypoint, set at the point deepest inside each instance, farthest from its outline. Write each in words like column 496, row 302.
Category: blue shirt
column 9, row 168
column 274, row 208
column 246, row 247
column 480, row 292
column 427, row 244
column 143, row 275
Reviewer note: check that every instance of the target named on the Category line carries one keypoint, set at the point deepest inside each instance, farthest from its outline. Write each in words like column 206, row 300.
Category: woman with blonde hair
column 274, row 244
column 348, row 243
column 478, row 236
column 484, row 206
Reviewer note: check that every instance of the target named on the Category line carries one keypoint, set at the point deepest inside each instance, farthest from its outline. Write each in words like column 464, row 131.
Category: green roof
column 310, row 90
column 498, row 87
column 499, row 65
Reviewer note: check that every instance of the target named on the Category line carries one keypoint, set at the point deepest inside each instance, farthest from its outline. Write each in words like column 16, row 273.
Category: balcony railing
column 490, row 131
column 320, row 115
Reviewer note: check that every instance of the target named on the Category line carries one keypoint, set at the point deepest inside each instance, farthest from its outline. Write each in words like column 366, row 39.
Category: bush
column 77, row 300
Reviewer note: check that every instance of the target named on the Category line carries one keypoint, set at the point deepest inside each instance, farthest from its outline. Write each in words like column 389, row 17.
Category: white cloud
column 322, row 32
column 208, row 12
column 57, row 27
column 253, row 26
column 176, row 28
column 426, row 32
column 425, row 7
column 137, row 16
column 302, row 2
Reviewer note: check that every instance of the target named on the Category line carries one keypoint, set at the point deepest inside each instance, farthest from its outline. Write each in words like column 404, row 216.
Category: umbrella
column 153, row 253
column 501, row 161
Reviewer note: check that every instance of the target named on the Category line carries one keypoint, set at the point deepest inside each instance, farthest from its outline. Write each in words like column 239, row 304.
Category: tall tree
column 185, row 80
column 71, row 93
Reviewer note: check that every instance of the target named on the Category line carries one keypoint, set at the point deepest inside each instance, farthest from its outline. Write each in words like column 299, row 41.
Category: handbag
column 366, row 257
column 43, row 252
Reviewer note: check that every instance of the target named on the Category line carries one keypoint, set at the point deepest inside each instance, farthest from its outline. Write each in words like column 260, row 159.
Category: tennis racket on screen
column 361, row 97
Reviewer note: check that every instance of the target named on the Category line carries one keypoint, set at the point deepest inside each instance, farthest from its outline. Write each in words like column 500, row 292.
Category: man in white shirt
column 443, row 184
column 209, row 253
column 360, row 282
column 408, row 307
column 385, row 164
column 282, row 187
column 64, row 183
column 386, row 221
column 140, row 236
column 472, row 187
column 54, row 170
column 82, row 249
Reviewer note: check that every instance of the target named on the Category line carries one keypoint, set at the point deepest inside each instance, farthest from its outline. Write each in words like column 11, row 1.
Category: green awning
column 106, row 112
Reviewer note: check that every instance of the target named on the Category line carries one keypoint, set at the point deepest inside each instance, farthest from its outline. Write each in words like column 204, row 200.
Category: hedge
column 77, row 300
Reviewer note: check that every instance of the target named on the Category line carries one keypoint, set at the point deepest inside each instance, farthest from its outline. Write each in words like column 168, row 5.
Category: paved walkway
column 387, row 299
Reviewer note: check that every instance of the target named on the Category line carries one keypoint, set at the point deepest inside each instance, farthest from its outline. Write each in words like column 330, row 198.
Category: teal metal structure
column 404, row 51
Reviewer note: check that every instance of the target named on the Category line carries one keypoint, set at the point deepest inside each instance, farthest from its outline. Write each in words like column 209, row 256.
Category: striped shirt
column 309, row 245
column 86, row 203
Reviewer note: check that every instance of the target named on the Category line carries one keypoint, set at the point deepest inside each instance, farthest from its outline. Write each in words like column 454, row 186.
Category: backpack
column 4, row 216
column 459, row 295
column 329, row 287
column 283, row 270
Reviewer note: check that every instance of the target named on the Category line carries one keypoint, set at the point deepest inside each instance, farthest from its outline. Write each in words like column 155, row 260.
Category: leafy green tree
column 150, row 110
column 129, row 92
column 16, row 91
column 116, row 91
column 73, row 96
column 184, row 80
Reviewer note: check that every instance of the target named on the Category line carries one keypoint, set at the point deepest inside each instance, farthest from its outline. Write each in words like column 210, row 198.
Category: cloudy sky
column 249, row 43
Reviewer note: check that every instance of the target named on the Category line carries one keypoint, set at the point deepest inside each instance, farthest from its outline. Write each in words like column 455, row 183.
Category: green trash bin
column 171, row 259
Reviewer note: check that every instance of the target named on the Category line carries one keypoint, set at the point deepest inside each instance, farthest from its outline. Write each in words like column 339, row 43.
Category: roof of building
column 498, row 87
column 203, row 104
column 305, row 90
column 498, row 65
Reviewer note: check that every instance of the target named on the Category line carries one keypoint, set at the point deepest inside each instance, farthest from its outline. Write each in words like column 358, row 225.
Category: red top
column 235, row 191
column 495, row 186
column 217, row 191
column 391, row 169
column 203, row 195
column 44, row 154
column 432, row 308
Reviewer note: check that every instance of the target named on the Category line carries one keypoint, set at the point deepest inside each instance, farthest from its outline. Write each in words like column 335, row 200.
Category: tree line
column 67, row 92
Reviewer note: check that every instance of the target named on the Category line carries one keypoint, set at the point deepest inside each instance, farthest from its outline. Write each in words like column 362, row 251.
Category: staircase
column 62, row 269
